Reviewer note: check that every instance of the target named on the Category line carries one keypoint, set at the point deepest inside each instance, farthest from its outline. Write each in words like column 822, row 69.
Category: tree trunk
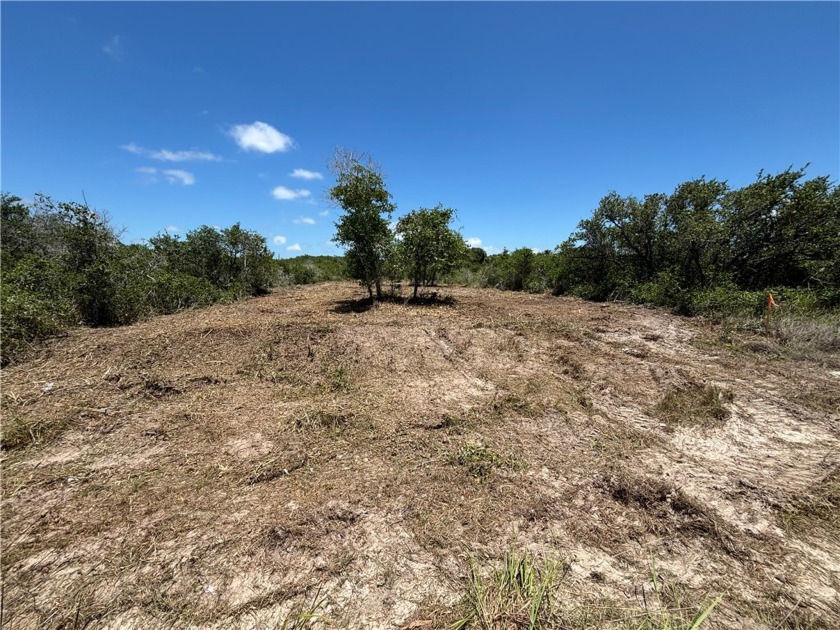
column 379, row 290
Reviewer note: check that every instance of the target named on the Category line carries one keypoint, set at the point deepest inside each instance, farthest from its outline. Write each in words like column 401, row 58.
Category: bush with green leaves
column 63, row 264
column 703, row 249
column 312, row 269
column 35, row 302
column 427, row 248
column 363, row 228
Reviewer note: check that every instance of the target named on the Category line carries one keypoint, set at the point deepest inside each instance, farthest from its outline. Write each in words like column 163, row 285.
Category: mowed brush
column 292, row 460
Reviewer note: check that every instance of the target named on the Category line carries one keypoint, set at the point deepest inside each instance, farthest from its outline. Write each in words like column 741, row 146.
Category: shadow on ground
column 365, row 304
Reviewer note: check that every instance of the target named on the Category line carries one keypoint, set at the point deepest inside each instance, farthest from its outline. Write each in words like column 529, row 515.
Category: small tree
column 694, row 241
column 428, row 247
column 363, row 228
column 248, row 260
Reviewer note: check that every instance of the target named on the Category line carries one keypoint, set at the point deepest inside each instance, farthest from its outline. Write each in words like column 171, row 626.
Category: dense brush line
column 703, row 249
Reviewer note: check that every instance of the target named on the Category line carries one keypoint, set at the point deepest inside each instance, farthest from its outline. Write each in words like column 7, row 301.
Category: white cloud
column 133, row 148
column 165, row 155
column 261, row 137
column 279, row 240
column 493, row 250
column 177, row 176
column 302, row 173
column 173, row 229
column 172, row 175
column 114, row 48
column 474, row 241
column 304, row 220
column 294, row 248
column 287, row 194
column 324, row 213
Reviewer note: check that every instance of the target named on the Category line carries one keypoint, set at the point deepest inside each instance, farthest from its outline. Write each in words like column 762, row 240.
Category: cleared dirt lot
column 223, row 467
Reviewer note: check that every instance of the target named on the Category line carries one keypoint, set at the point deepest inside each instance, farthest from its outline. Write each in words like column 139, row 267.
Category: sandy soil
column 227, row 467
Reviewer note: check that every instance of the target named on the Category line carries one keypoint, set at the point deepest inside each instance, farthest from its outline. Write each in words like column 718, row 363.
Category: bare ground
column 228, row 467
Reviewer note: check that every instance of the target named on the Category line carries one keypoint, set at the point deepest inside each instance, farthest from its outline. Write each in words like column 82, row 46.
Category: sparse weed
column 305, row 615
column 19, row 432
column 519, row 594
column 694, row 404
column 477, row 459
column 526, row 593
column 339, row 380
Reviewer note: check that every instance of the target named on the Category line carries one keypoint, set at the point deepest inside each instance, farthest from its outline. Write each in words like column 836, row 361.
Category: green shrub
column 34, row 304
column 311, row 269
column 172, row 292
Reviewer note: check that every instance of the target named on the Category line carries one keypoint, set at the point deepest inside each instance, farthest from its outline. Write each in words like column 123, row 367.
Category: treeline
column 63, row 265
column 308, row 269
column 703, row 248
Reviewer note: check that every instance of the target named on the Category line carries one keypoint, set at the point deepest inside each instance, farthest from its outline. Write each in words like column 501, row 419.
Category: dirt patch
column 308, row 453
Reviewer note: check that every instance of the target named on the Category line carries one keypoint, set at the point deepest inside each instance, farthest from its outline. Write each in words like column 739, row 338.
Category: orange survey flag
column 771, row 303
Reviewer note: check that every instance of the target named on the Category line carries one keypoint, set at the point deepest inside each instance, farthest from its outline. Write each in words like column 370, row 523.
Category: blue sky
column 520, row 116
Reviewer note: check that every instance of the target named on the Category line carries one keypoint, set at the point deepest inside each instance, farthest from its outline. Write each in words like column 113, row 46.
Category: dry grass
column 817, row 506
column 813, row 337
column 309, row 460
column 695, row 405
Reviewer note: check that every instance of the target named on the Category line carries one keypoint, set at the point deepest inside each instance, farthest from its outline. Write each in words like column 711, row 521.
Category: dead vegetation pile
column 305, row 459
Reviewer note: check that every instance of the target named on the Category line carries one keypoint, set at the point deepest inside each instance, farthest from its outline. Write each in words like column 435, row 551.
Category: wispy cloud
column 279, row 240
column 304, row 220
column 173, row 229
column 474, row 241
column 172, row 175
column 262, row 137
column 114, row 48
column 177, row 176
column 287, row 194
column 324, row 213
column 165, row 155
column 302, row 173
column 294, row 248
